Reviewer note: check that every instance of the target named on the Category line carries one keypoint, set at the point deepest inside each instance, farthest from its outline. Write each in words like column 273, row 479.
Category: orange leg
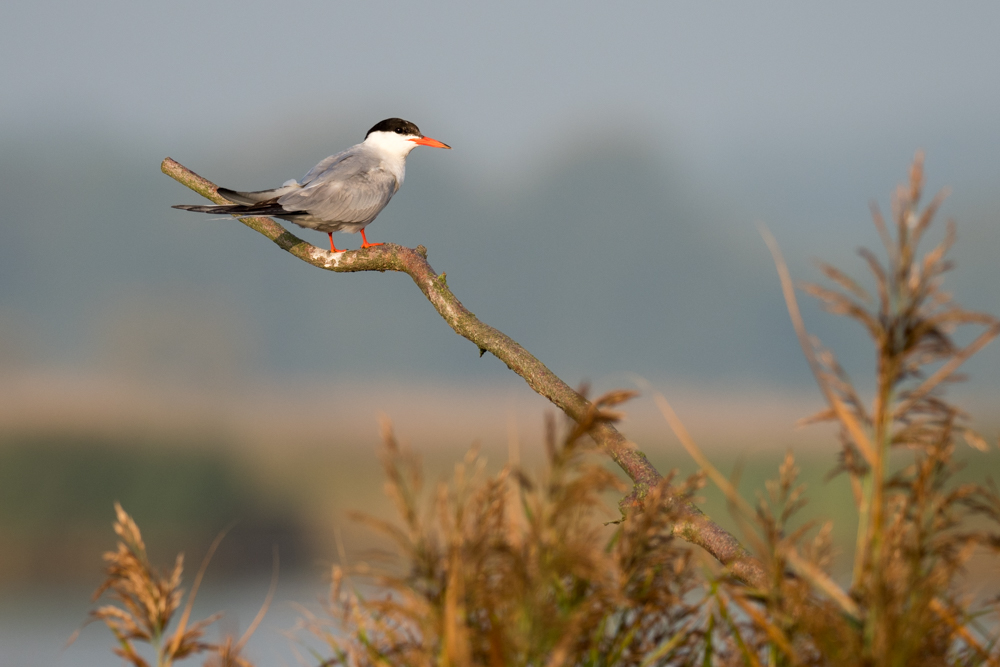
column 333, row 248
column 365, row 243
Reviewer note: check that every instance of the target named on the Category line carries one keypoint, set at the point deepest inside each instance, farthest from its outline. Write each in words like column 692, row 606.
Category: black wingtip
column 211, row 208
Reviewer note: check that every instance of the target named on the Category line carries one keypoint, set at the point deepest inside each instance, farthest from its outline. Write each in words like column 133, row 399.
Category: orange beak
column 427, row 141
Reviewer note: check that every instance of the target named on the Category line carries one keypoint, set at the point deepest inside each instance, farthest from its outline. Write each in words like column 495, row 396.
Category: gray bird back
column 345, row 191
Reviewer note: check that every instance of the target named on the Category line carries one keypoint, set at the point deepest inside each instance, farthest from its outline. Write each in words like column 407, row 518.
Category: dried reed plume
column 147, row 600
column 906, row 603
column 515, row 570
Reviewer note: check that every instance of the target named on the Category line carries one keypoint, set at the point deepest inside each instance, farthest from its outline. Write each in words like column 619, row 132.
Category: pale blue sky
column 590, row 129
column 717, row 78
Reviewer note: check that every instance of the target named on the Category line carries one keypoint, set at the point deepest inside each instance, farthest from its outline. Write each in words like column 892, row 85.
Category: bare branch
column 696, row 528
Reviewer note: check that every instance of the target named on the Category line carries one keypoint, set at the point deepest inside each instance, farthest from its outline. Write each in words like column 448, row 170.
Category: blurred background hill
column 610, row 166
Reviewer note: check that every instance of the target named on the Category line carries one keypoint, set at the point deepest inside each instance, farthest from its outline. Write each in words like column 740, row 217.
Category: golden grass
column 515, row 569
column 145, row 601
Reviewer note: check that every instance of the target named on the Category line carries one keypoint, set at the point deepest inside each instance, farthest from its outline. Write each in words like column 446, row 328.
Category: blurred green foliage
column 57, row 492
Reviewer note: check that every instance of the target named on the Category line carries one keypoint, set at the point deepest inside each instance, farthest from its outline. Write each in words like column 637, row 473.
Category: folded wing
column 349, row 190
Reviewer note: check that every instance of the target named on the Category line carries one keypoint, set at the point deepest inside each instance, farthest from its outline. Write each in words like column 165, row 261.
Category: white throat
column 390, row 145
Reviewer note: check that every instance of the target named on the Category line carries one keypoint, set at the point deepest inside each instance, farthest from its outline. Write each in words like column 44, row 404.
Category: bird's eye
column 399, row 130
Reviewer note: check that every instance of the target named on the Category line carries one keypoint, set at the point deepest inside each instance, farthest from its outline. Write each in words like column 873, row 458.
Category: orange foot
column 365, row 243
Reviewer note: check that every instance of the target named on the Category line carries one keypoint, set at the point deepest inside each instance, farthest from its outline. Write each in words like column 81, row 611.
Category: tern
column 344, row 192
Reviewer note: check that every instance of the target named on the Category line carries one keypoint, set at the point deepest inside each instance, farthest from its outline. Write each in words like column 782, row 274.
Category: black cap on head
column 397, row 125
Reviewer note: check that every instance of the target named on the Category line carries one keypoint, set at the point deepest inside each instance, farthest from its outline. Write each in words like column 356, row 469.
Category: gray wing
column 256, row 197
column 327, row 163
column 347, row 187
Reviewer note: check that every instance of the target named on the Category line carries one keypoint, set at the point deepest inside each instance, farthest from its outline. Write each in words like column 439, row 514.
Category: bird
column 344, row 192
